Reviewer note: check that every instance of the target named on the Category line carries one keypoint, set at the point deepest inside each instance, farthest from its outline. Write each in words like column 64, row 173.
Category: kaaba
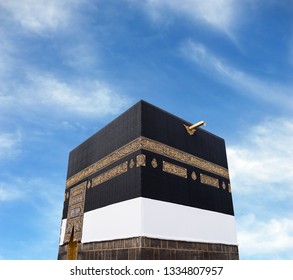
column 145, row 188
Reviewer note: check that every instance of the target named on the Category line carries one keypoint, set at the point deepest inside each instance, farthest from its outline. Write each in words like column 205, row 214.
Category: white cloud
column 32, row 190
column 41, row 204
column 260, row 166
column 12, row 189
column 263, row 159
column 10, row 144
column 271, row 239
column 5, row 59
column 86, row 98
column 9, row 193
column 244, row 83
column 41, row 15
column 221, row 14
column 37, row 91
column 82, row 56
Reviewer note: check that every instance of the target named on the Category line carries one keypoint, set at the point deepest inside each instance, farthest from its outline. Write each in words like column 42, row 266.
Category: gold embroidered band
column 174, row 169
column 208, row 180
column 152, row 146
column 115, row 171
column 75, row 213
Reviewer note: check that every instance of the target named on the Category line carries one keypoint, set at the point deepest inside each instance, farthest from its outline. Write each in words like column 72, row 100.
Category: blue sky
column 68, row 67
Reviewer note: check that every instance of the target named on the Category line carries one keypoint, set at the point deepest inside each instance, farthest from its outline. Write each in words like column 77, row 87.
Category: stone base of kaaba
column 144, row 248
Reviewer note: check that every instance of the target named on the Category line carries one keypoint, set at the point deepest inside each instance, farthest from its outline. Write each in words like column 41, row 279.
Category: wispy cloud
column 41, row 206
column 25, row 89
column 40, row 15
column 262, row 182
column 221, row 15
column 85, row 98
column 264, row 158
column 10, row 144
column 8, row 193
column 90, row 98
column 242, row 82
column 82, row 56
column 269, row 239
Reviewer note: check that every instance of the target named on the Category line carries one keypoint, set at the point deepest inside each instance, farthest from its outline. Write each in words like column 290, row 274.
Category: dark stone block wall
column 144, row 248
